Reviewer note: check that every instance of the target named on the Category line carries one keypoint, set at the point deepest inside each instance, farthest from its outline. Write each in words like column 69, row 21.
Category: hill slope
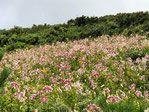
column 90, row 74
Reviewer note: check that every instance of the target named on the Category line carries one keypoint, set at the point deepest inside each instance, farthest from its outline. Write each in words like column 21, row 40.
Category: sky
column 25, row 13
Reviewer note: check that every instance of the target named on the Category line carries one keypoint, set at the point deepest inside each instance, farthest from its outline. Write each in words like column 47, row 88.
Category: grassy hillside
column 89, row 75
column 128, row 24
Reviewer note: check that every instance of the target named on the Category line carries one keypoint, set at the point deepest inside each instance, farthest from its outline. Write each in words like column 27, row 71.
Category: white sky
column 25, row 13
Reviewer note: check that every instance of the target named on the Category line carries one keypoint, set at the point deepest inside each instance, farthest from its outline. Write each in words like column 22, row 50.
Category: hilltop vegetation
column 128, row 24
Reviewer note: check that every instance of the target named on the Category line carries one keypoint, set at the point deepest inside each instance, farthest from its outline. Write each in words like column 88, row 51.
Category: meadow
column 89, row 75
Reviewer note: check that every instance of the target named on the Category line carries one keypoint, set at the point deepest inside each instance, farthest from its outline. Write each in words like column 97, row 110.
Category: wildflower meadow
column 90, row 75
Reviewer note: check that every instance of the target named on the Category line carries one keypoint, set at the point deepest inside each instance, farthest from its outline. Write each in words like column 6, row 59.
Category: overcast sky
column 25, row 13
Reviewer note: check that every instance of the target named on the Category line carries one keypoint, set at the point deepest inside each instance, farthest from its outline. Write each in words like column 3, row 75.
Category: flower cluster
column 77, row 71
column 112, row 98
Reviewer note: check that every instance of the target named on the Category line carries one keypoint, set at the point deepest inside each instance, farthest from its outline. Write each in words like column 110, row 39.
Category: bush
column 16, row 46
column 134, row 54
column 6, row 71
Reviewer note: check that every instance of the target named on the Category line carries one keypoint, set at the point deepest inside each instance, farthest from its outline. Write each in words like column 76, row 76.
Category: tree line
column 127, row 24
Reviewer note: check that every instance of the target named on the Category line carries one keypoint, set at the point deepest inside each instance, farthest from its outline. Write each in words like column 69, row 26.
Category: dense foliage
column 89, row 75
column 4, row 74
column 6, row 71
column 82, row 27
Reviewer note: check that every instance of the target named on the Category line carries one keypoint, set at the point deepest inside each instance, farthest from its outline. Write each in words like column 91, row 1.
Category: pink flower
column 87, row 92
column 129, row 59
column 47, row 89
column 90, row 80
column 98, row 66
column 58, row 99
column 108, row 75
column 44, row 99
column 21, row 96
column 68, row 67
column 91, row 107
column 81, row 71
column 83, row 64
column 106, row 90
column 123, row 95
column 132, row 87
column 113, row 99
column 23, row 72
column 70, row 55
column 54, row 82
column 105, row 68
column 138, row 93
column 32, row 97
column 116, row 62
column 67, row 87
column 144, row 60
column 146, row 94
column 67, row 82
column 146, row 56
column 117, row 98
column 115, row 78
column 138, row 60
column 6, row 90
column 142, row 77
column 96, row 75
column 14, row 85
column 94, row 85
column 120, row 68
